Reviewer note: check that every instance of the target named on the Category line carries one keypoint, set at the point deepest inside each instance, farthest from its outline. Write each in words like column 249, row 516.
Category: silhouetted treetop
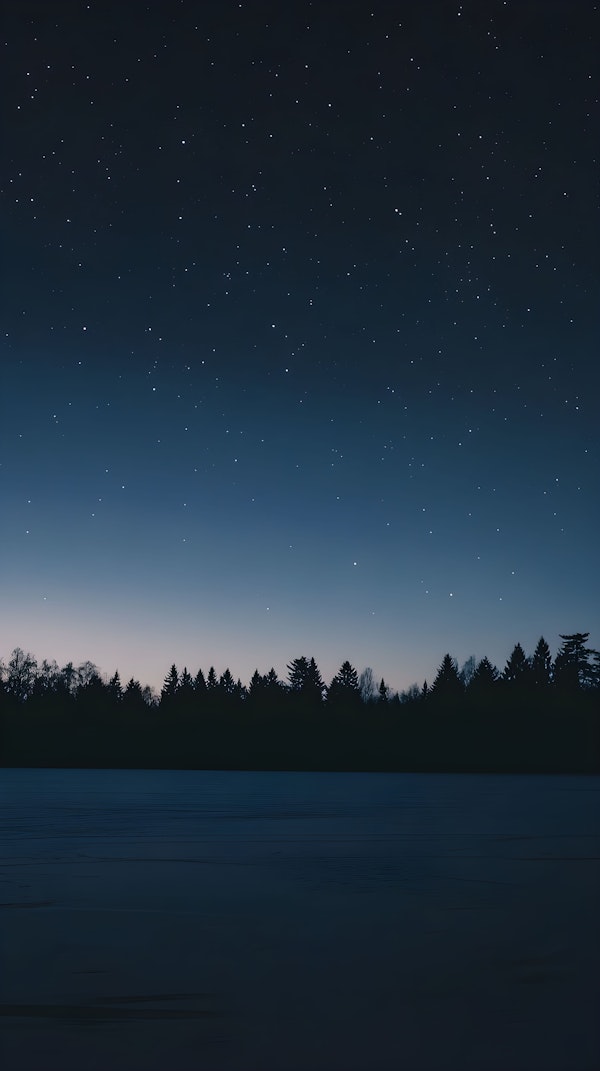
column 541, row 665
column 115, row 687
column 170, row 685
column 186, row 682
column 517, row 668
column 199, row 683
column 485, row 677
column 447, row 684
column 344, row 687
column 477, row 688
column 227, row 683
column 575, row 665
column 272, row 682
column 133, row 697
column 305, row 679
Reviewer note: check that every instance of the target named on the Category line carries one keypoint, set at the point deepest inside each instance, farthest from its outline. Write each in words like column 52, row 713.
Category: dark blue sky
column 300, row 308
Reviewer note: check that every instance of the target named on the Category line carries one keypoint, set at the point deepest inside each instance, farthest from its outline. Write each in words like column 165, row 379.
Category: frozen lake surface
column 203, row 921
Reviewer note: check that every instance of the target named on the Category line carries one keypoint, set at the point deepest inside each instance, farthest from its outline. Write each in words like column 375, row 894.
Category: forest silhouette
column 538, row 714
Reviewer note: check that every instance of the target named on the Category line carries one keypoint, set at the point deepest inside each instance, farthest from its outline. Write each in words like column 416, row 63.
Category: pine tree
column 315, row 688
column 273, row 685
column 170, row 686
column 383, row 691
column 257, row 686
column 133, row 697
column 273, row 691
column 199, row 684
column 541, row 665
column 265, row 691
column 305, row 680
column 447, row 684
column 185, row 690
column 484, row 679
column 297, row 674
column 185, row 681
column 211, row 680
column 517, row 668
column 227, row 683
column 344, row 688
column 114, row 687
column 348, row 677
column 573, row 667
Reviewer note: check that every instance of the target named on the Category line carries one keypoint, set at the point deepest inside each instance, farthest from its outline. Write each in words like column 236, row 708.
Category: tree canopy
column 75, row 708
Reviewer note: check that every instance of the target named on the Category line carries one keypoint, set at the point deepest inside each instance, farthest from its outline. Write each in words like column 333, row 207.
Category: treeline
column 538, row 713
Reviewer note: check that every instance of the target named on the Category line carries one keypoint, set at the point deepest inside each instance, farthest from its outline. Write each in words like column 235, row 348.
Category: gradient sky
column 300, row 332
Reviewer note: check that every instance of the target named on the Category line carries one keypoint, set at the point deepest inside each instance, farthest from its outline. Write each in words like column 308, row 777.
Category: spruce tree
column 199, row 685
column 305, row 680
column 298, row 674
column 185, row 691
column 447, row 685
column 516, row 670
column 573, row 668
column 272, row 682
column 541, row 665
column 133, row 698
column 273, row 691
column 484, row 679
column 315, row 688
column 114, row 687
column 257, row 686
column 227, row 683
column 344, row 688
column 170, row 686
column 186, row 682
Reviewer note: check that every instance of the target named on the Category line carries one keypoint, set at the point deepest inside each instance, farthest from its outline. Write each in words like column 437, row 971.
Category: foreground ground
column 205, row 921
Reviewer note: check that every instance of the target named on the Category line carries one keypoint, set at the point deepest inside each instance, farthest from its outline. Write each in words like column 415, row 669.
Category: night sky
column 300, row 332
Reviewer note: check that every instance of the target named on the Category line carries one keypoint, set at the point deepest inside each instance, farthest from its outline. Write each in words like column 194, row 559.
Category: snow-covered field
column 202, row 921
